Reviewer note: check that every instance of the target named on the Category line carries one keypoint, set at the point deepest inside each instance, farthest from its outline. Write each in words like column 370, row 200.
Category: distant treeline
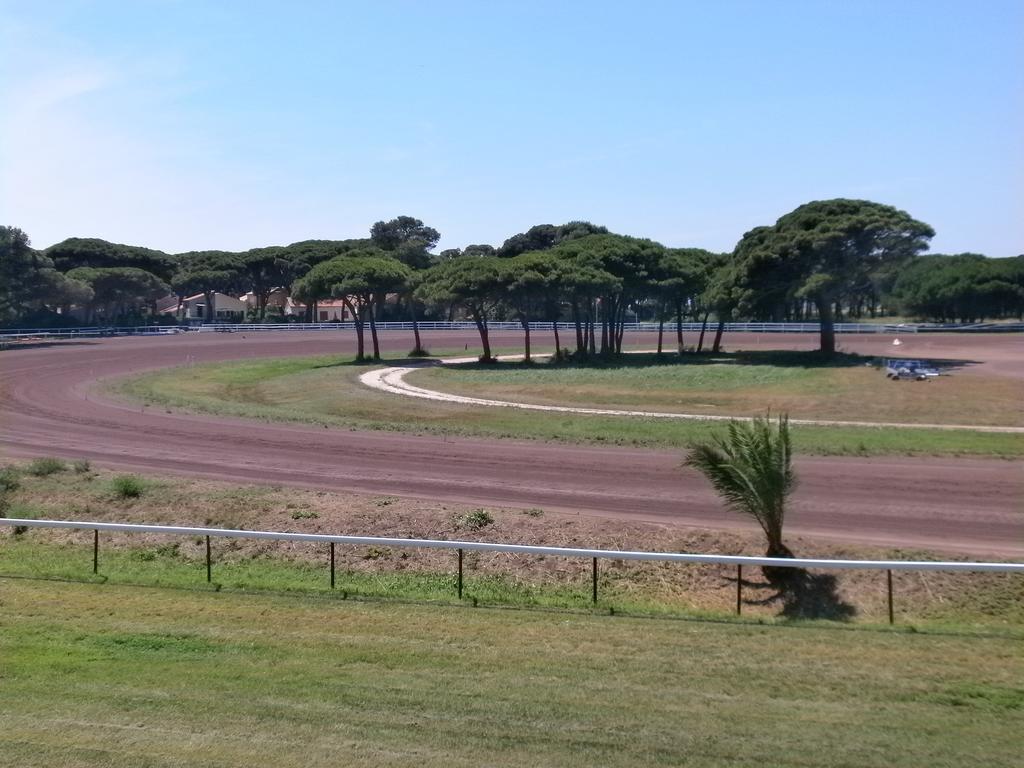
column 825, row 261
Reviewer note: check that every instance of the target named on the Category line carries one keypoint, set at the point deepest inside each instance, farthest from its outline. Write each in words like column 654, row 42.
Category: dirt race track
column 50, row 407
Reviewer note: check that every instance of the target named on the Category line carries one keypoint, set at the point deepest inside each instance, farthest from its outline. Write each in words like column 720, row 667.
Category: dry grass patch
column 989, row 599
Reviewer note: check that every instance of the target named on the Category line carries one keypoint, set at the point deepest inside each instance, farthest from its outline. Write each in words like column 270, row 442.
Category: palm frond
column 750, row 467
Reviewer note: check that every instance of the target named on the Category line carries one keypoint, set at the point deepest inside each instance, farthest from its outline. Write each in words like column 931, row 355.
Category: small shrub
column 386, row 501
column 533, row 512
column 48, row 465
column 477, row 519
column 81, row 466
column 375, row 553
column 5, row 504
column 127, row 486
column 9, row 479
column 304, row 514
column 419, row 353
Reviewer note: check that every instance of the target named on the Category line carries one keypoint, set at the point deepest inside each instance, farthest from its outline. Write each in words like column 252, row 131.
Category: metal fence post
column 594, row 573
column 96, row 550
column 208, row 572
column 332, row 565
column 739, row 589
column 460, row 573
column 888, row 579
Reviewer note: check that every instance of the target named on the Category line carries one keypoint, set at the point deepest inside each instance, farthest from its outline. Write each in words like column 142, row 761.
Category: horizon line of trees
column 825, row 261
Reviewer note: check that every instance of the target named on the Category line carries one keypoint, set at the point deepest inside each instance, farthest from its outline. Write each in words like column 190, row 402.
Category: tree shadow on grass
column 14, row 344
column 367, row 362
column 805, row 595
column 632, row 360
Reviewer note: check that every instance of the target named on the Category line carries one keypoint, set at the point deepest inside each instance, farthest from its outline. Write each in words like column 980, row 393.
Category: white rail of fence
column 9, row 334
column 482, row 546
column 428, row 325
column 504, row 325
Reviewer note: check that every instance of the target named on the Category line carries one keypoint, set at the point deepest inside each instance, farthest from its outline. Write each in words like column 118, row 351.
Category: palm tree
column 751, row 468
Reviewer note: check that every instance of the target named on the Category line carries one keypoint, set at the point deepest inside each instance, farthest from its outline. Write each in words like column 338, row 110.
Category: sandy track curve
column 49, row 406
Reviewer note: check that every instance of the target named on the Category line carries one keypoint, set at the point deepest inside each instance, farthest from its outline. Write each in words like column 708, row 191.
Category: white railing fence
column 11, row 334
column 480, row 546
column 507, row 325
column 429, row 325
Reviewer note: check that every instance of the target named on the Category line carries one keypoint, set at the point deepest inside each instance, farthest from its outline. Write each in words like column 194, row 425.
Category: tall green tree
column 543, row 237
column 119, row 292
column 721, row 295
column 965, row 287
column 93, row 252
column 29, row 282
column 632, row 264
column 359, row 279
column 751, row 468
column 676, row 283
column 532, row 288
column 825, row 251
column 265, row 269
column 1010, row 274
column 474, row 282
column 208, row 273
column 407, row 238
column 304, row 255
column 410, row 241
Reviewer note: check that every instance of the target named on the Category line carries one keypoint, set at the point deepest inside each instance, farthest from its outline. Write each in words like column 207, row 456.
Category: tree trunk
column 481, row 327
column 679, row 326
column 418, row 349
column 774, row 574
column 661, row 332
column 604, row 326
column 372, row 305
column 526, row 337
column 718, row 336
column 828, row 328
column 620, row 328
column 211, row 306
column 357, row 318
column 581, row 343
column 703, row 328
column 558, row 344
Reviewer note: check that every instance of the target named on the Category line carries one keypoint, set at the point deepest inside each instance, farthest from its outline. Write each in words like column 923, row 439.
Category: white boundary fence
column 429, row 325
column 479, row 546
column 458, row 325
column 505, row 325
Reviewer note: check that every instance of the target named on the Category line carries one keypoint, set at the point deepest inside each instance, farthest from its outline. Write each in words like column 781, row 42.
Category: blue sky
column 184, row 125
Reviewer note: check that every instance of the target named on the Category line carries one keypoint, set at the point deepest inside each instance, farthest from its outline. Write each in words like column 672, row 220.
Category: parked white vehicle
column 909, row 370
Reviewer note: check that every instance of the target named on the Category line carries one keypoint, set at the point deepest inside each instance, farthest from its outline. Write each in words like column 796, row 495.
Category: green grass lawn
column 104, row 675
column 326, row 390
